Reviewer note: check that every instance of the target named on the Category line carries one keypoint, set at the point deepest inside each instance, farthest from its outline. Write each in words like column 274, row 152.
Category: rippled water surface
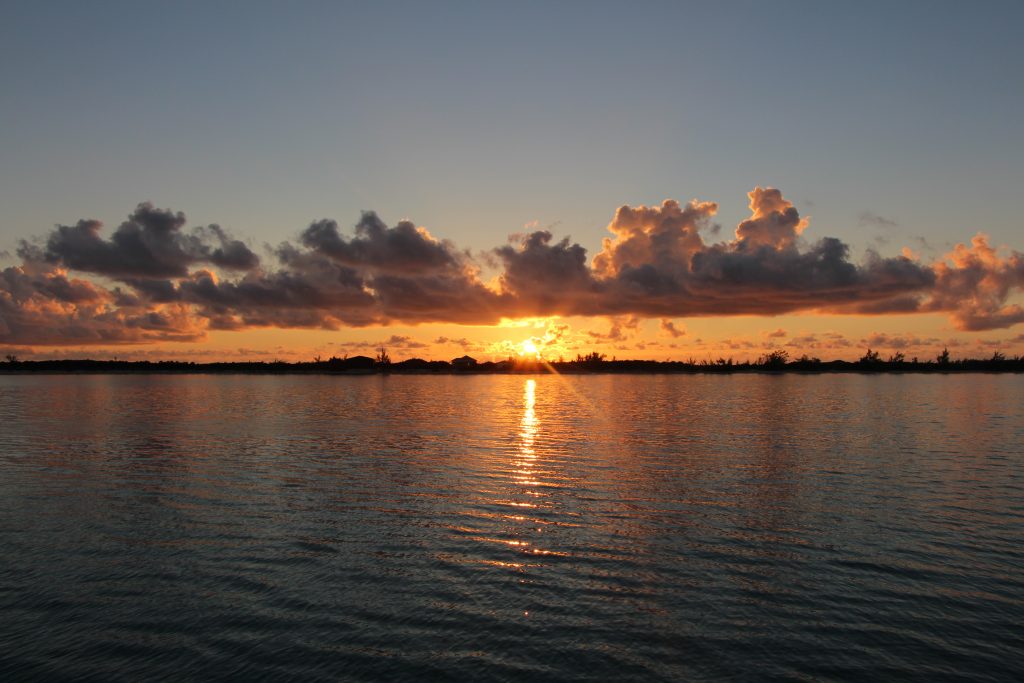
column 511, row 527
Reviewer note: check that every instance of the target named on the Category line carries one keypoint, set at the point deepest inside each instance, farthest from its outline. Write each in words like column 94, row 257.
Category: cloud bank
column 153, row 279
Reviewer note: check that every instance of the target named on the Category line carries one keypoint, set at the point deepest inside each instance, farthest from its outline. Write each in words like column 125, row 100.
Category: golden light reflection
column 528, row 425
column 530, row 480
column 524, row 468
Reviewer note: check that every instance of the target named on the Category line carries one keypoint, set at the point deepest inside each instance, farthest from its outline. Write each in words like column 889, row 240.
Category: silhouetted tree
column 383, row 360
column 11, row 358
column 870, row 358
column 774, row 359
column 897, row 358
column 943, row 358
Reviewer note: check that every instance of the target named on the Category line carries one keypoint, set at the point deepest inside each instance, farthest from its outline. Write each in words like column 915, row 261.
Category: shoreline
column 86, row 367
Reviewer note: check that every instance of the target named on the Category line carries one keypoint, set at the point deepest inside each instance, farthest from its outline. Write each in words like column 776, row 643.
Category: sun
column 528, row 348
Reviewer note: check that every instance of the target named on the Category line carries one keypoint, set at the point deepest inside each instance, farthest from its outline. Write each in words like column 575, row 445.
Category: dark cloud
column 314, row 289
column 401, row 249
column 543, row 277
column 175, row 283
column 307, row 291
column 456, row 296
column 229, row 253
column 150, row 244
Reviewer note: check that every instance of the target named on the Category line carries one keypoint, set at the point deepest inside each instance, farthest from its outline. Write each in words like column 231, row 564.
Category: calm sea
column 512, row 527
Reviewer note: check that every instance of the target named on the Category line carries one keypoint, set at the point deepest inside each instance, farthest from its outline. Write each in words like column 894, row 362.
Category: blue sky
column 474, row 120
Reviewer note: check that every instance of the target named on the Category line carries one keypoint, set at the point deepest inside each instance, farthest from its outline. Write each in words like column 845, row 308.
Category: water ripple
column 554, row 528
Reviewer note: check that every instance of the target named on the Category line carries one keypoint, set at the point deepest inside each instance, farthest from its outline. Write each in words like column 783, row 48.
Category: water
column 510, row 527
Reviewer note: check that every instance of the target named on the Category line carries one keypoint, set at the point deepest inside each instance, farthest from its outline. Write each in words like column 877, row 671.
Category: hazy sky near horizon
column 886, row 124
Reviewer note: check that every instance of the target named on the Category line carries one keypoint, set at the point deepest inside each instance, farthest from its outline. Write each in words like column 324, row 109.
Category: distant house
column 464, row 363
column 420, row 365
column 412, row 364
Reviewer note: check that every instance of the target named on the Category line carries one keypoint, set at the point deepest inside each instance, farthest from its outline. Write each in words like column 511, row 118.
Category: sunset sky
column 670, row 180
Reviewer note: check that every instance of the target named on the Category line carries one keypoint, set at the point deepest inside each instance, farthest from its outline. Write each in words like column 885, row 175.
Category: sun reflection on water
column 517, row 538
column 525, row 466
column 528, row 425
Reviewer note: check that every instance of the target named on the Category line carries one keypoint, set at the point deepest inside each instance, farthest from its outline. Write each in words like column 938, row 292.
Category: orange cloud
column 155, row 280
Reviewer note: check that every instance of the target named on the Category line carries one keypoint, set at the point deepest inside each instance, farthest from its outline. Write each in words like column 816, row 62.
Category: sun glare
column 528, row 348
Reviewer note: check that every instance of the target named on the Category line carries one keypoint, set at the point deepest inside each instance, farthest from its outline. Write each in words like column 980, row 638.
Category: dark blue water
column 506, row 527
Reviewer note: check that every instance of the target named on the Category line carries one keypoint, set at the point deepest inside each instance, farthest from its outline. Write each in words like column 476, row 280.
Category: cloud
column 971, row 283
column 307, row 291
column 541, row 276
column 776, row 223
column 665, row 237
column 622, row 328
column 916, row 345
column 974, row 283
column 40, row 305
column 461, row 341
column 668, row 328
column 153, row 280
column 412, row 276
column 403, row 342
column 658, row 265
column 400, row 249
column 897, row 342
column 150, row 243
column 803, row 341
column 869, row 218
column 395, row 341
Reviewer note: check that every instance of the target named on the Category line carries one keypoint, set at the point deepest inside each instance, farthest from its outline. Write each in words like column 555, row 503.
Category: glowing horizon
column 659, row 288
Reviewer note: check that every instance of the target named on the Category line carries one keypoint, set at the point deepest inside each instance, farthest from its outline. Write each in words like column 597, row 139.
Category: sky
column 406, row 175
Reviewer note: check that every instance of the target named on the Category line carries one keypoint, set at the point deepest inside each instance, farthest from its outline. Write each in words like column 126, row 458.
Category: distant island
column 774, row 362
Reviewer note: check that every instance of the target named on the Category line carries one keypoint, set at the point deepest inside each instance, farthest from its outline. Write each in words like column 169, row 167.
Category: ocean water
column 512, row 527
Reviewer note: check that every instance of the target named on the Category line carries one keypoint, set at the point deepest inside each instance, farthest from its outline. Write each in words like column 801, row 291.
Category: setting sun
column 528, row 348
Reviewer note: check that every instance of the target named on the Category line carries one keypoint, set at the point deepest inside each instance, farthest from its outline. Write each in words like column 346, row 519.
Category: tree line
column 777, row 360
